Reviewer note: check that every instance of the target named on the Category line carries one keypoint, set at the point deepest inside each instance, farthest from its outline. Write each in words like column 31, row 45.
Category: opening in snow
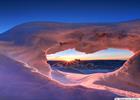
column 103, row 61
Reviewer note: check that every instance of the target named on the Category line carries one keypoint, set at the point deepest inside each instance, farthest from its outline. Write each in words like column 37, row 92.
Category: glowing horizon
column 107, row 54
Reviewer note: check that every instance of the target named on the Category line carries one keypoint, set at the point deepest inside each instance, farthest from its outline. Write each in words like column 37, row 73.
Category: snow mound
column 19, row 82
column 29, row 44
column 126, row 78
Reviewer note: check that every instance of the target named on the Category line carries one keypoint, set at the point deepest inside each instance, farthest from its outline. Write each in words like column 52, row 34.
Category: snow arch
column 30, row 42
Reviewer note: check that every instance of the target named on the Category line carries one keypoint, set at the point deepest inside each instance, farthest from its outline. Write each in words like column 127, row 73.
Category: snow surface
column 31, row 84
column 18, row 82
column 26, row 75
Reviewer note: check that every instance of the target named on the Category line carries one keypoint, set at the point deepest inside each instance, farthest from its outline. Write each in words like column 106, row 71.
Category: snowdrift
column 19, row 82
column 24, row 65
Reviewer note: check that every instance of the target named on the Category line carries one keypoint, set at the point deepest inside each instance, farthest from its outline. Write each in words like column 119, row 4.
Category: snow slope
column 24, row 67
column 18, row 82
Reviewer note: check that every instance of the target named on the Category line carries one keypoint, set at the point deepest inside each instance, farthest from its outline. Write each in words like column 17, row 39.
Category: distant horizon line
column 87, row 60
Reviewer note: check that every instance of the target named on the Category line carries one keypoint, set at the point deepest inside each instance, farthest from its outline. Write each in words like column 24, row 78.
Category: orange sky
column 72, row 54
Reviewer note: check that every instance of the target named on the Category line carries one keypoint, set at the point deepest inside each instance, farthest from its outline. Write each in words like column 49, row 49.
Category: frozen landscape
column 26, row 75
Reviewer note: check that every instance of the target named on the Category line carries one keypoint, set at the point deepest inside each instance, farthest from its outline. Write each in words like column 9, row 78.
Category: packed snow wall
column 31, row 42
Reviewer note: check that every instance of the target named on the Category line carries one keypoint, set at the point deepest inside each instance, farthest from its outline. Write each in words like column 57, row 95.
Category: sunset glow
column 107, row 54
column 68, row 59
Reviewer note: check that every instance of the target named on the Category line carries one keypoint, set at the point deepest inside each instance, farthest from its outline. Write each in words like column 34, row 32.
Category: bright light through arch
column 107, row 54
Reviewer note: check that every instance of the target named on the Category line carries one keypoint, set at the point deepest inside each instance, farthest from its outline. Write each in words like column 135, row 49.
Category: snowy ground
column 82, row 71
column 91, row 81
column 33, row 79
column 18, row 82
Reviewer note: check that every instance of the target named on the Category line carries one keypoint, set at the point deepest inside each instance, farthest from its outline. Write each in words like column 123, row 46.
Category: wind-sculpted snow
column 29, row 43
column 19, row 83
